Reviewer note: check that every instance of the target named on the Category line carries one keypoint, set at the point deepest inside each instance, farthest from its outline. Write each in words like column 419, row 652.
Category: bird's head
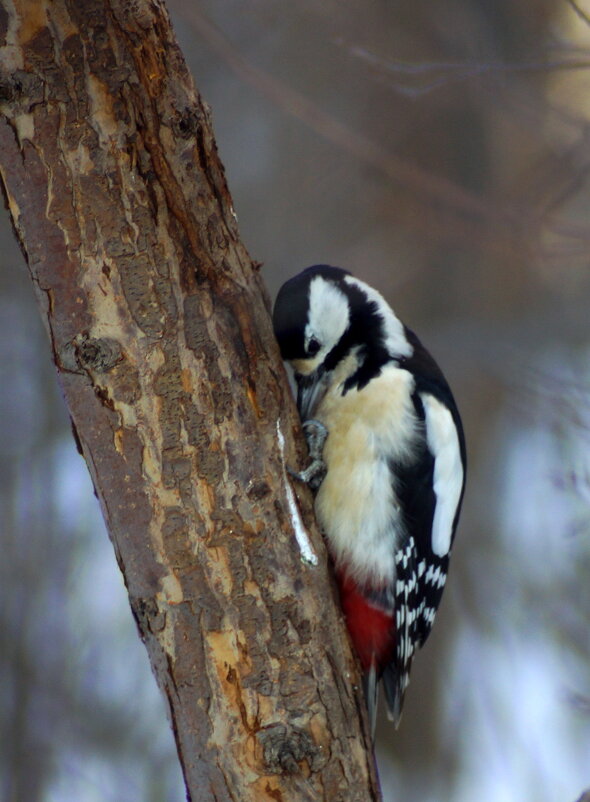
column 324, row 315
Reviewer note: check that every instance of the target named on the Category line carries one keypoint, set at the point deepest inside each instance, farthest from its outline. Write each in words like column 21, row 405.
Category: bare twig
column 492, row 223
column 579, row 11
column 443, row 73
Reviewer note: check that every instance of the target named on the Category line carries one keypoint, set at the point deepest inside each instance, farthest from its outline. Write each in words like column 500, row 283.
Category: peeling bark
column 160, row 331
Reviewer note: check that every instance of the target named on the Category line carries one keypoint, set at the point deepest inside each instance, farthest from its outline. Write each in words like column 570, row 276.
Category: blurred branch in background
column 430, row 76
column 579, row 11
column 488, row 222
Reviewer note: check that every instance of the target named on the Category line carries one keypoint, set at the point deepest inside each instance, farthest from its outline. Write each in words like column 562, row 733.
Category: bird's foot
column 315, row 433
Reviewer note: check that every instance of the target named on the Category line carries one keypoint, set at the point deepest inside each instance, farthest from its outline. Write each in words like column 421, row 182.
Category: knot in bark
column 99, row 354
column 20, row 90
column 148, row 615
column 186, row 123
column 284, row 747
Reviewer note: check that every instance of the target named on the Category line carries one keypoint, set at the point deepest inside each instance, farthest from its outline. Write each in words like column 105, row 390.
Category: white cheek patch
column 443, row 442
column 329, row 314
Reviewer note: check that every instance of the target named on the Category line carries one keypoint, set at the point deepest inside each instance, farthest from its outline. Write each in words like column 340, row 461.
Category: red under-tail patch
column 372, row 630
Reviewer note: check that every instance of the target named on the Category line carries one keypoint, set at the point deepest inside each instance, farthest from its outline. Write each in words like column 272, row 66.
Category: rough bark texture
column 160, row 331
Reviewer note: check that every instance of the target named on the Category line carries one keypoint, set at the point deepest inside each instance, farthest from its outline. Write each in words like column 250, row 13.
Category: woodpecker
column 388, row 464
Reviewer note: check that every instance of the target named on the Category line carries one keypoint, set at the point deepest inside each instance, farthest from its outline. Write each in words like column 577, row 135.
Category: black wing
column 420, row 573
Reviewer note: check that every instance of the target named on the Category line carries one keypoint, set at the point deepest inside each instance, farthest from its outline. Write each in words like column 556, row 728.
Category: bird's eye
column 313, row 346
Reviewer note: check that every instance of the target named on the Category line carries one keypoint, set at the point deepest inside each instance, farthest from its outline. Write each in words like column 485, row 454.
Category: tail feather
column 394, row 685
column 371, row 689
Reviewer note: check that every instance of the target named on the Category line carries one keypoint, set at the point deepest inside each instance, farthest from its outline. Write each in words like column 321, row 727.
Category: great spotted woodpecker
column 391, row 476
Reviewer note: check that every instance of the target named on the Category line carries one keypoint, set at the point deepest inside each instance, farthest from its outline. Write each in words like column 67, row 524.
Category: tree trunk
column 160, row 332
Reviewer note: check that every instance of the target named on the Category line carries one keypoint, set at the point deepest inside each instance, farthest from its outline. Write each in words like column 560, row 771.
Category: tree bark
column 160, row 331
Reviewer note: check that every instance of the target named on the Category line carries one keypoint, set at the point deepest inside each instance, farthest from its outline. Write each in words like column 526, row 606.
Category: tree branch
column 160, row 332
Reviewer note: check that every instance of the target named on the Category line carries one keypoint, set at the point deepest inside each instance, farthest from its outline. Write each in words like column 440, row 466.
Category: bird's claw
column 315, row 433
column 313, row 475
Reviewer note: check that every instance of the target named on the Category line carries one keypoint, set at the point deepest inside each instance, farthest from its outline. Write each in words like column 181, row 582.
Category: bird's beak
column 310, row 391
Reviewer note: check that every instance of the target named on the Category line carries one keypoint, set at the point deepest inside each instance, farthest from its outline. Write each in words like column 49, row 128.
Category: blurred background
column 441, row 152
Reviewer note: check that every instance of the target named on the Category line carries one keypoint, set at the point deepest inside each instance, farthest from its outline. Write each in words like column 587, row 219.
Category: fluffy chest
column 356, row 504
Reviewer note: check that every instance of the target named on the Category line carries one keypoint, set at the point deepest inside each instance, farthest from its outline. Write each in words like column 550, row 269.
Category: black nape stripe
column 364, row 332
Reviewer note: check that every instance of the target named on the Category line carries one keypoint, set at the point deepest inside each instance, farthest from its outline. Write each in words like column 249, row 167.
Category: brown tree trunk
column 160, row 332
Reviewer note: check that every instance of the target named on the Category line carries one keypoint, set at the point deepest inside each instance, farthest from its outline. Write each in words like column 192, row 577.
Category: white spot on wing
column 443, row 442
column 307, row 552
